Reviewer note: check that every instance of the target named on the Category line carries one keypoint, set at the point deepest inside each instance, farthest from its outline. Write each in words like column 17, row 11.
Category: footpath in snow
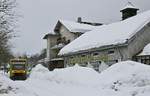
column 122, row 79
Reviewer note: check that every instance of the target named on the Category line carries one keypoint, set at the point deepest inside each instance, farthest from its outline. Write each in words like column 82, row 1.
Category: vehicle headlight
column 24, row 71
column 13, row 71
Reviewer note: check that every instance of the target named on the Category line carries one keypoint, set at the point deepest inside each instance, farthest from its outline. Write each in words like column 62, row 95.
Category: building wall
column 96, row 57
column 66, row 33
column 109, row 56
column 142, row 59
column 139, row 41
column 123, row 53
column 54, row 40
column 51, row 41
column 48, row 49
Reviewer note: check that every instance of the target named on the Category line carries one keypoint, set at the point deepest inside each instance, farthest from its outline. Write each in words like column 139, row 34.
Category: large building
column 64, row 33
column 111, row 43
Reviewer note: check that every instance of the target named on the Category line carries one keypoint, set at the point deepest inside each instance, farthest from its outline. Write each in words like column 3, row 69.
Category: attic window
column 111, row 52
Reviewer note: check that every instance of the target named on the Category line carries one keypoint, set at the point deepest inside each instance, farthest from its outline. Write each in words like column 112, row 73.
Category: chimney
column 128, row 11
column 79, row 20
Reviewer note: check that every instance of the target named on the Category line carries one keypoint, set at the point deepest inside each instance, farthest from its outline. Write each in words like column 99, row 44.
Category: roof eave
column 128, row 8
column 47, row 35
column 95, row 49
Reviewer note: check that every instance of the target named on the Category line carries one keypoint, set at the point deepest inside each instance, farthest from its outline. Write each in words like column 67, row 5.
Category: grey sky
column 40, row 17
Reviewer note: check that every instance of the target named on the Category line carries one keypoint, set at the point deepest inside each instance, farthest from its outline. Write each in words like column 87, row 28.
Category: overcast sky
column 41, row 16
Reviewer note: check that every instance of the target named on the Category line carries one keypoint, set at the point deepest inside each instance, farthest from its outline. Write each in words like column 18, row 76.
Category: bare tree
column 7, row 24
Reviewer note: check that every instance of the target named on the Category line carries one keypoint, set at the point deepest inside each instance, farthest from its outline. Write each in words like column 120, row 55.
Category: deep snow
column 126, row 78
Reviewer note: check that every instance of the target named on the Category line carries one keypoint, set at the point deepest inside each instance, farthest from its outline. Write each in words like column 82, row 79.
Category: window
column 63, row 40
column 145, row 61
column 68, row 41
column 111, row 52
column 116, row 61
column 83, row 55
column 83, row 64
column 59, row 40
column 18, row 66
column 95, row 54
column 71, row 57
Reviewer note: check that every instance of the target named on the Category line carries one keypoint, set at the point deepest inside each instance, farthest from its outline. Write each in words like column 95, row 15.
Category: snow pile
column 126, row 79
column 72, row 75
column 38, row 72
column 6, row 86
column 72, row 81
column 77, row 75
column 103, row 66
column 122, row 79
column 146, row 50
column 111, row 34
column 40, row 68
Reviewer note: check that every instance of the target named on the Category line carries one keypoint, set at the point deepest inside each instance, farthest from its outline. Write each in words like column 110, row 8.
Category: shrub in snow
column 40, row 68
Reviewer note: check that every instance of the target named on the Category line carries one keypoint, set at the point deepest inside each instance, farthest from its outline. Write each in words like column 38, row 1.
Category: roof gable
column 74, row 26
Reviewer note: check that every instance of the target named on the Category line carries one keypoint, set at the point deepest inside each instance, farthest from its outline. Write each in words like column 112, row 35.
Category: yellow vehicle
column 18, row 69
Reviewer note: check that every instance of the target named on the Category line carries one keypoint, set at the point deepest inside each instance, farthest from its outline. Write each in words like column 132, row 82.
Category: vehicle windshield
column 18, row 66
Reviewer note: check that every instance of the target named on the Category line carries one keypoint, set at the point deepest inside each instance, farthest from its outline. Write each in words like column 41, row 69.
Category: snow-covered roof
column 129, row 5
column 49, row 34
column 111, row 34
column 146, row 50
column 76, row 27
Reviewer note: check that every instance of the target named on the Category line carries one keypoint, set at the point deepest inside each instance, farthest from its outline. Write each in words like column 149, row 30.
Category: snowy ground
column 122, row 79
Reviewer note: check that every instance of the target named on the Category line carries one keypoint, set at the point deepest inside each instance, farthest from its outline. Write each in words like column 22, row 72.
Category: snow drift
column 73, row 75
column 126, row 78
